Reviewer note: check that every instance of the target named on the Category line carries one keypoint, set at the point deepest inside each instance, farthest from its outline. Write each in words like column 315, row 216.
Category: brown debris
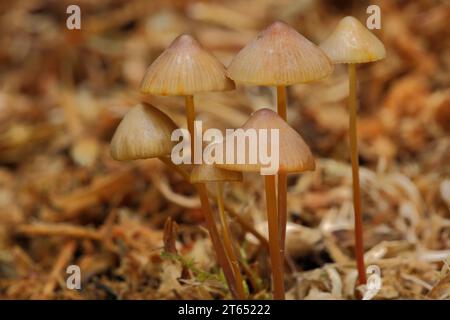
column 61, row 262
column 135, row 228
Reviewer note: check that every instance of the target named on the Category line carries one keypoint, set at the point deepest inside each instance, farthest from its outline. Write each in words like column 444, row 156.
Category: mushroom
column 208, row 173
column 294, row 157
column 352, row 43
column 183, row 69
column 280, row 56
column 143, row 133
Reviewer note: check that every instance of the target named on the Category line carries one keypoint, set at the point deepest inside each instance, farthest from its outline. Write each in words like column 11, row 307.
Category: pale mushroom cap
column 294, row 153
column 210, row 173
column 351, row 42
column 279, row 55
column 143, row 133
column 185, row 68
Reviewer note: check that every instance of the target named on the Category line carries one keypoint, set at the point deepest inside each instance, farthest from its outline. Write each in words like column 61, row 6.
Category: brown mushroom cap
column 210, row 173
column 143, row 133
column 185, row 68
column 351, row 42
column 294, row 153
column 279, row 55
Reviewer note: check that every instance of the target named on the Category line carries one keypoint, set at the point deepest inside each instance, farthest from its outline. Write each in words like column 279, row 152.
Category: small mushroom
column 279, row 56
column 294, row 156
column 183, row 69
column 352, row 43
column 210, row 173
column 143, row 133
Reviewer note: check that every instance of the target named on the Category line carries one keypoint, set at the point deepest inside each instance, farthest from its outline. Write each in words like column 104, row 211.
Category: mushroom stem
column 174, row 167
column 222, row 258
column 231, row 212
column 359, row 247
column 190, row 114
column 276, row 261
column 281, row 102
column 282, row 177
column 227, row 242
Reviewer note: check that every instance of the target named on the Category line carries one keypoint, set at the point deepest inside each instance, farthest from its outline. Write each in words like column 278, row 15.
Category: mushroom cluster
column 279, row 56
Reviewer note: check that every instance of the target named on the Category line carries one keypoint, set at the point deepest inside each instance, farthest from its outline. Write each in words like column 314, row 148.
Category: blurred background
column 64, row 201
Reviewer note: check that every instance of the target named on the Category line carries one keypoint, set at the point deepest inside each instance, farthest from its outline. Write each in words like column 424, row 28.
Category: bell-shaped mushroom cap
column 279, row 55
column 351, row 42
column 294, row 154
column 210, row 173
column 143, row 133
column 185, row 68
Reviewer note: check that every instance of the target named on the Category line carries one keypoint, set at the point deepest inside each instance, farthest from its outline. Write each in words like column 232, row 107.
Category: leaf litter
column 63, row 200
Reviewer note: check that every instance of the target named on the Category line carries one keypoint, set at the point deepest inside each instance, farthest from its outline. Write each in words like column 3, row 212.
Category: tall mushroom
column 294, row 156
column 183, row 69
column 352, row 43
column 280, row 56
column 208, row 173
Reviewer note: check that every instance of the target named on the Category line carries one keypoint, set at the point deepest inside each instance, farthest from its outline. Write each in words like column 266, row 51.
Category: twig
column 62, row 260
column 60, row 229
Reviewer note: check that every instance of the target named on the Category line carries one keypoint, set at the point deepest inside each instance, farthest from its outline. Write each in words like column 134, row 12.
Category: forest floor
column 135, row 229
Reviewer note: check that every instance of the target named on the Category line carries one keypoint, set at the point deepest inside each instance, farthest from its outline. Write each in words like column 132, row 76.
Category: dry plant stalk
column 64, row 257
